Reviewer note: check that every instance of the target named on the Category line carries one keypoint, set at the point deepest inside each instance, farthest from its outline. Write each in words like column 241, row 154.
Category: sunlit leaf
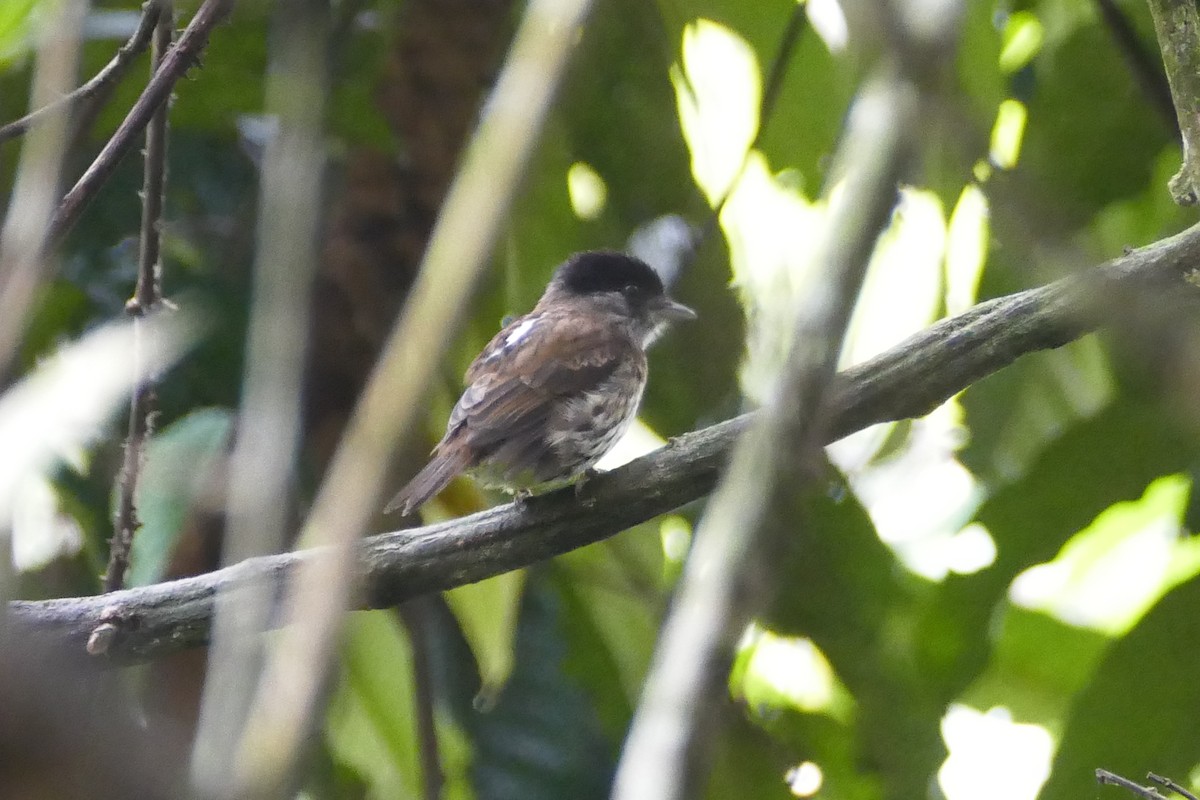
column 61, row 406
column 541, row 740
column 487, row 613
column 1062, row 492
column 16, row 28
column 1138, row 714
column 371, row 724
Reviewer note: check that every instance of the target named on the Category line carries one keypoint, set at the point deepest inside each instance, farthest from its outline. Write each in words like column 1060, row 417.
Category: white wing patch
column 520, row 332
column 514, row 338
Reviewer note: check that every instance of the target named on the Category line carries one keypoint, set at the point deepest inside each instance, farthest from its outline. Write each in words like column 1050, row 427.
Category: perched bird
column 556, row 388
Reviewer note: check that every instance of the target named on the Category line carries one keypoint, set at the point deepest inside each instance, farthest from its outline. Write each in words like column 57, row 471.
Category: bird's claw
column 581, row 483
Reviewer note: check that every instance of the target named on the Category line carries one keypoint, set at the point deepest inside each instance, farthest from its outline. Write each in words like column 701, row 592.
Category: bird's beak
column 669, row 311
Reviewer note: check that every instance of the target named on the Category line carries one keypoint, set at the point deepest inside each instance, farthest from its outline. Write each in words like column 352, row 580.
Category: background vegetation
column 994, row 599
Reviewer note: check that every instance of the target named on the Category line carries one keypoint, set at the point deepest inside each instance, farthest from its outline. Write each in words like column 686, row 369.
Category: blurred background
column 993, row 600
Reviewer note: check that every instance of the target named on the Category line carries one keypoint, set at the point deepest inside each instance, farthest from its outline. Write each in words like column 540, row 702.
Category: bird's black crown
column 597, row 271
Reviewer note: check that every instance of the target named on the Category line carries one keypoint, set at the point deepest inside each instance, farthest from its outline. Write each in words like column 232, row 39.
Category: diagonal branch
column 182, row 57
column 730, row 572
column 110, row 75
column 909, row 380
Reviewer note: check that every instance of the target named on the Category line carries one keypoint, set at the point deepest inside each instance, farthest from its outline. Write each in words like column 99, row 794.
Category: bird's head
column 610, row 282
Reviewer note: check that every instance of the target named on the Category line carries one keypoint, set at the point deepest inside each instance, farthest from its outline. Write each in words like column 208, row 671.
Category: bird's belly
column 586, row 427
column 579, row 432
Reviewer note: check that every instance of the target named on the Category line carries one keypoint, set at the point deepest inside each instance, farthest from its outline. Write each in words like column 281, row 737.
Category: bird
column 556, row 388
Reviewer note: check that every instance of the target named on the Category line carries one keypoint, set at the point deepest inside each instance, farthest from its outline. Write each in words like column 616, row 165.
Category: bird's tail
column 442, row 469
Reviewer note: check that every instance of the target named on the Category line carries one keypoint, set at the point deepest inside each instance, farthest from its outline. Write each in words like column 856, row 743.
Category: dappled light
column 780, row 398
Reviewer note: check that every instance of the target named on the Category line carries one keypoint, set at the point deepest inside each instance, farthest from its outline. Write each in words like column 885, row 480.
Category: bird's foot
column 581, row 484
column 521, row 498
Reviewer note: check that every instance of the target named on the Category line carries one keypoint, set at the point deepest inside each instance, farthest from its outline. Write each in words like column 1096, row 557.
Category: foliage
column 955, row 560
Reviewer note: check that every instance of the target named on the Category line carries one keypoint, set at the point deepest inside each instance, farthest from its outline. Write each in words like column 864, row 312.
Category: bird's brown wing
column 515, row 383
column 512, row 389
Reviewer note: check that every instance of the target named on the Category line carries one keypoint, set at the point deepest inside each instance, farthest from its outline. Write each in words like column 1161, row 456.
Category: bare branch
column 111, row 74
column 731, row 573
column 182, row 57
column 147, row 296
column 1167, row 783
column 1177, row 24
column 262, row 466
column 1103, row 777
column 909, row 380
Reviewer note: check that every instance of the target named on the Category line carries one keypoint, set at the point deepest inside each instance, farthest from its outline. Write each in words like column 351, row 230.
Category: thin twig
column 732, row 569
column 909, row 380
column 262, row 471
column 1167, row 783
column 182, row 57
column 147, row 295
column 111, row 74
column 1177, row 24
column 1103, row 777
column 415, row 616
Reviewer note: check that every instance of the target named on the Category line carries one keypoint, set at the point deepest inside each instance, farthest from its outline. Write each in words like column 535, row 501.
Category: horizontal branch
column 907, row 381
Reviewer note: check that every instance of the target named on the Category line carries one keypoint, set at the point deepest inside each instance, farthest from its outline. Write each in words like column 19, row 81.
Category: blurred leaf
column 371, row 723
column 63, row 311
column 1037, row 666
column 746, row 766
column 613, row 602
column 1139, row 713
column 811, row 714
column 813, row 99
column 1092, row 136
column 178, row 471
column 40, row 531
column 16, row 29
column 542, row 739
column 487, row 614
column 354, row 114
column 1099, row 461
column 1014, row 413
column 61, row 406
column 843, row 588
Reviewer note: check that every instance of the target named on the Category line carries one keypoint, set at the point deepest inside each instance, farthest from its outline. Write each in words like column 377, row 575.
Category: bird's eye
column 629, row 290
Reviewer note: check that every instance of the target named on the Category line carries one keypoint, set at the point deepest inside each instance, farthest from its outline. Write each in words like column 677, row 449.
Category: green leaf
column 1092, row 136
column 542, row 739
column 487, row 614
column 843, row 588
column 371, row 723
column 1098, row 462
column 1037, row 667
column 746, row 766
column 1139, row 713
column 613, row 601
column 16, row 29
column 180, row 468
